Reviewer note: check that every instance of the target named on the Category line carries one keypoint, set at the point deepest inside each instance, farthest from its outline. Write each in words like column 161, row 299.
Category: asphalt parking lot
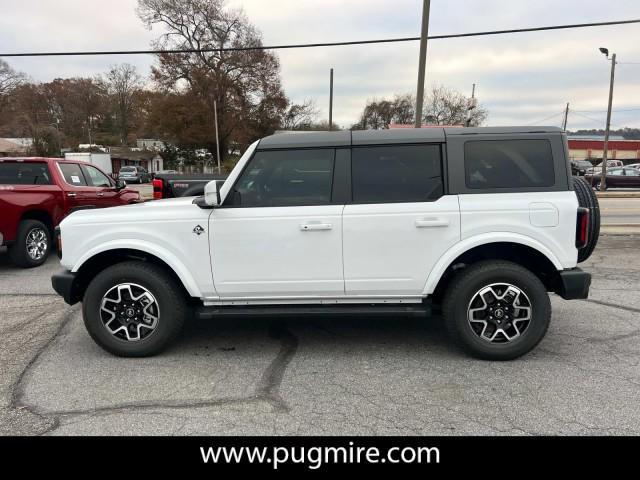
column 396, row 376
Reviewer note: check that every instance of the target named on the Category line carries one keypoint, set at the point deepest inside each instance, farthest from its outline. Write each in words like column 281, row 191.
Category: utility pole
column 215, row 115
column 422, row 61
column 471, row 106
column 566, row 117
column 603, row 180
column 331, row 100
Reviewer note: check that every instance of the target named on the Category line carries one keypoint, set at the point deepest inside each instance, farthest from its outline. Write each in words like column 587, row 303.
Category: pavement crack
column 267, row 389
column 612, row 305
column 17, row 389
column 269, row 385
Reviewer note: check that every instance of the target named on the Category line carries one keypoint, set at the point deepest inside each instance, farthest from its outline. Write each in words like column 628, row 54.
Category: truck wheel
column 32, row 245
column 588, row 199
column 496, row 310
column 134, row 309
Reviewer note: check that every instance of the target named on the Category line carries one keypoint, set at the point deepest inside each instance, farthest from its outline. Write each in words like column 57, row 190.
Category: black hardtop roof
column 346, row 138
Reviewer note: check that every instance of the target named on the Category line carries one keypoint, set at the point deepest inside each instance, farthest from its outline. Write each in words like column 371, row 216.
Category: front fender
column 163, row 254
column 476, row 241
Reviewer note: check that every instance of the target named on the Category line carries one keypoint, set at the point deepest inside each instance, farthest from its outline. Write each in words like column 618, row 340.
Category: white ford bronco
column 477, row 224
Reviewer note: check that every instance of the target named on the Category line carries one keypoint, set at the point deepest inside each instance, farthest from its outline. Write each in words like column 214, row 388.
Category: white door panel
column 391, row 248
column 277, row 251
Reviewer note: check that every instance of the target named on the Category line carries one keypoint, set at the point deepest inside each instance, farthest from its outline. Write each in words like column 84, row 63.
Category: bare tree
column 9, row 78
column 123, row 84
column 445, row 106
column 379, row 114
column 404, row 107
column 244, row 84
column 300, row 116
column 442, row 106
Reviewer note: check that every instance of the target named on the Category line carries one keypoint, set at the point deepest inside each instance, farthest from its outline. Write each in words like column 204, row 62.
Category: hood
column 155, row 211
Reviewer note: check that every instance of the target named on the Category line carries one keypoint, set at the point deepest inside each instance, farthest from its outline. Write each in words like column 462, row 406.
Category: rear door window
column 24, row 173
column 396, row 174
column 491, row 164
column 73, row 174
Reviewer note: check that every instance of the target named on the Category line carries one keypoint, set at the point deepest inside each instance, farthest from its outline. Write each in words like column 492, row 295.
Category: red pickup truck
column 37, row 193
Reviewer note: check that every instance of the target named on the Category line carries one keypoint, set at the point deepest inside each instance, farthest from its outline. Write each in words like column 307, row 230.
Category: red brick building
column 591, row 149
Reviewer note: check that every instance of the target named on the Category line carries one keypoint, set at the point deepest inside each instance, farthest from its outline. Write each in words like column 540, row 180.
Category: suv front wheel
column 496, row 310
column 134, row 309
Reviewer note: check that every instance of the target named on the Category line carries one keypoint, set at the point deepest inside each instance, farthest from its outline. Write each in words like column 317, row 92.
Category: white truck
column 101, row 160
column 477, row 224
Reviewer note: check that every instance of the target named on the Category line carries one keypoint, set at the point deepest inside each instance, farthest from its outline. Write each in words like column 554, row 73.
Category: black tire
column 168, row 295
column 19, row 253
column 588, row 199
column 463, row 289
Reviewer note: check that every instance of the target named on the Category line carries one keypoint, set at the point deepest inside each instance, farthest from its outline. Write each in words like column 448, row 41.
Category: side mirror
column 212, row 194
column 120, row 184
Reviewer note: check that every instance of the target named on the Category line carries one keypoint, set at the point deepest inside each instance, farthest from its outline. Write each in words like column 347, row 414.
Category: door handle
column 100, row 194
column 71, row 194
column 432, row 222
column 315, row 226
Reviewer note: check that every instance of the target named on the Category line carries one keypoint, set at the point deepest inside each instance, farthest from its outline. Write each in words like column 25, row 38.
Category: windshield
column 128, row 169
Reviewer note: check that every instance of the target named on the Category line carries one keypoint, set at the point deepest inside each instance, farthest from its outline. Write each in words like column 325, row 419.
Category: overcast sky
column 521, row 79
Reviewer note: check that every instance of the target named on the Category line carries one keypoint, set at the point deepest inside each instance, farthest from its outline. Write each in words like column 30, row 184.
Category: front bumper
column 574, row 284
column 65, row 285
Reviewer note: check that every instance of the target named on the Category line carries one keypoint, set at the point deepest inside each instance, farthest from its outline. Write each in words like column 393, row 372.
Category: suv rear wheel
column 497, row 310
column 32, row 245
column 134, row 309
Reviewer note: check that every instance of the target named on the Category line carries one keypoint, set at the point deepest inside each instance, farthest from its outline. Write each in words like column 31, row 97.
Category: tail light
column 582, row 228
column 157, row 188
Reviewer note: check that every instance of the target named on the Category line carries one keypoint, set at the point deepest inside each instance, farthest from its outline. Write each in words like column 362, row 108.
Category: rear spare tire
column 587, row 199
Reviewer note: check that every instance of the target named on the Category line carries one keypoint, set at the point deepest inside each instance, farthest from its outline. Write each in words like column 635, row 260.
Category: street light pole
column 603, row 179
column 422, row 61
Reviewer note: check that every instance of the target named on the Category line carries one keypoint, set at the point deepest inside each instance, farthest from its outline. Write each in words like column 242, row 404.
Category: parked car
column 171, row 185
column 37, row 193
column 374, row 222
column 616, row 178
column 131, row 174
column 580, row 167
column 610, row 164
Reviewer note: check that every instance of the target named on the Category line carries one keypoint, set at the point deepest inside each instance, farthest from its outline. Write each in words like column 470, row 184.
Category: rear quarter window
column 494, row 164
column 24, row 173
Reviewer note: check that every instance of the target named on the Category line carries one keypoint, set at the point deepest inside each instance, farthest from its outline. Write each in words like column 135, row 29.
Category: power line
column 604, row 111
column 326, row 44
column 586, row 116
column 538, row 122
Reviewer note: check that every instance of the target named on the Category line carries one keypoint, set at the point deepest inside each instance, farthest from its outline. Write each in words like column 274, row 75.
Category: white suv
column 476, row 223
